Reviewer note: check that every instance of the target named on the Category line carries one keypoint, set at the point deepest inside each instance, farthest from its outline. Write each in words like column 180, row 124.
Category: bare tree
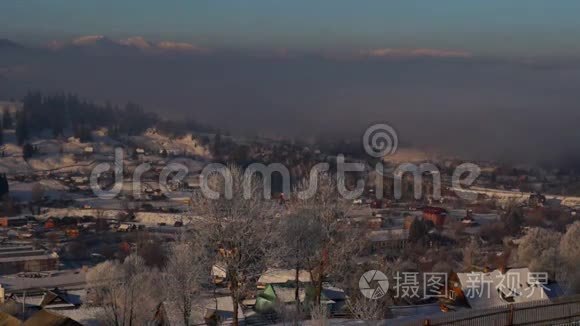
column 239, row 229
column 362, row 308
column 365, row 309
column 301, row 239
column 127, row 291
column 338, row 242
column 319, row 315
column 471, row 255
column 186, row 272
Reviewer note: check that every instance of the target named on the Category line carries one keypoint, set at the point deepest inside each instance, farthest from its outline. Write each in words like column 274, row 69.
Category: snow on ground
column 77, row 212
column 68, row 155
column 52, row 162
column 11, row 149
column 180, row 203
column 169, row 219
column 55, row 154
column 51, row 188
column 148, row 218
column 152, row 141
column 14, row 165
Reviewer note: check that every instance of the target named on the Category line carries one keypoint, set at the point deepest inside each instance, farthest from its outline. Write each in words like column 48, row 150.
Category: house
column 12, row 310
column 218, row 311
column 79, row 179
column 126, row 227
column 275, row 294
column 13, row 221
column 437, row 215
column 49, row 224
column 218, row 273
column 71, row 232
column 57, row 299
column 15, row 261
column 278, row 293
column 377, row 203
column 469, row 220
column 282, row 276
column 8, row 320
column 483, row 290
column 46, row 317
column 391, row 241
column 139, row 153
column 536, row 199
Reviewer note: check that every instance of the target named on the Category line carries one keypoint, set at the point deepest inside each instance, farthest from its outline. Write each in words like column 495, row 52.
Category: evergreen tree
column 27, row 151
column 217, row 144
column 417, row 231
column 21, row 128
column 58, row 112
column 7, row 119
column 4, row 187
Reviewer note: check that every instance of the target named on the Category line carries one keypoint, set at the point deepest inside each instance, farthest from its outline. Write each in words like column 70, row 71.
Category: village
column 56, row 234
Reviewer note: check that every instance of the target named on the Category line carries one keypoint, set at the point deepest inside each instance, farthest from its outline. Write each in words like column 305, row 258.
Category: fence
column 562, row 311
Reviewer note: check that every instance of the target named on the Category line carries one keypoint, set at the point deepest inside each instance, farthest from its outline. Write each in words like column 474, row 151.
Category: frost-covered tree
column 128, row 292
column 301, row 239
column 338, row 243
column 537, row 250
column 187, row 270
column 570, row 245
column 239, row 229
column 570, row 253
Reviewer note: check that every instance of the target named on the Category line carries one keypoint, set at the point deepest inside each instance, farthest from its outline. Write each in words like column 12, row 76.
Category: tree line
column 61, row 112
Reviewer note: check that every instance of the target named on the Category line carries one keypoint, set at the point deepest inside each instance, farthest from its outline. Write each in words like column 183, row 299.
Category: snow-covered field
column 65, row 157
column 69, row 154
column 153, row 142
column 147, row 218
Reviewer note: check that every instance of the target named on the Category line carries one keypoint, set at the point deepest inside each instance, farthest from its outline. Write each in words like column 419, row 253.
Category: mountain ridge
column 101, row 43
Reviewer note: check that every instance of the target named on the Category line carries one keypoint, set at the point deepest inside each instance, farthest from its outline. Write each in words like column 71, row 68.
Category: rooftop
column 487, row 290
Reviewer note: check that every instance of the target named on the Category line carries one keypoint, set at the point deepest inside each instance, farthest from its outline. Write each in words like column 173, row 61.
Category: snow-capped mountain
column 137, row 42
column 99, row 44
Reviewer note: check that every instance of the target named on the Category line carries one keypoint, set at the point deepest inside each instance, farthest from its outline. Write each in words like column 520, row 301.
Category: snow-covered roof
column 278, row 276
column 487, row 290
column 388, row 234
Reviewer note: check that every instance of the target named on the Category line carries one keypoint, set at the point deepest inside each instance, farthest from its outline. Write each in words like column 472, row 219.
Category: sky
column 491, row 27
column 488, row 79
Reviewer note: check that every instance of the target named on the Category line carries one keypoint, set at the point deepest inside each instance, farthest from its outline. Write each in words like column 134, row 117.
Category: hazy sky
column 493, row 78
column 496, row 27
